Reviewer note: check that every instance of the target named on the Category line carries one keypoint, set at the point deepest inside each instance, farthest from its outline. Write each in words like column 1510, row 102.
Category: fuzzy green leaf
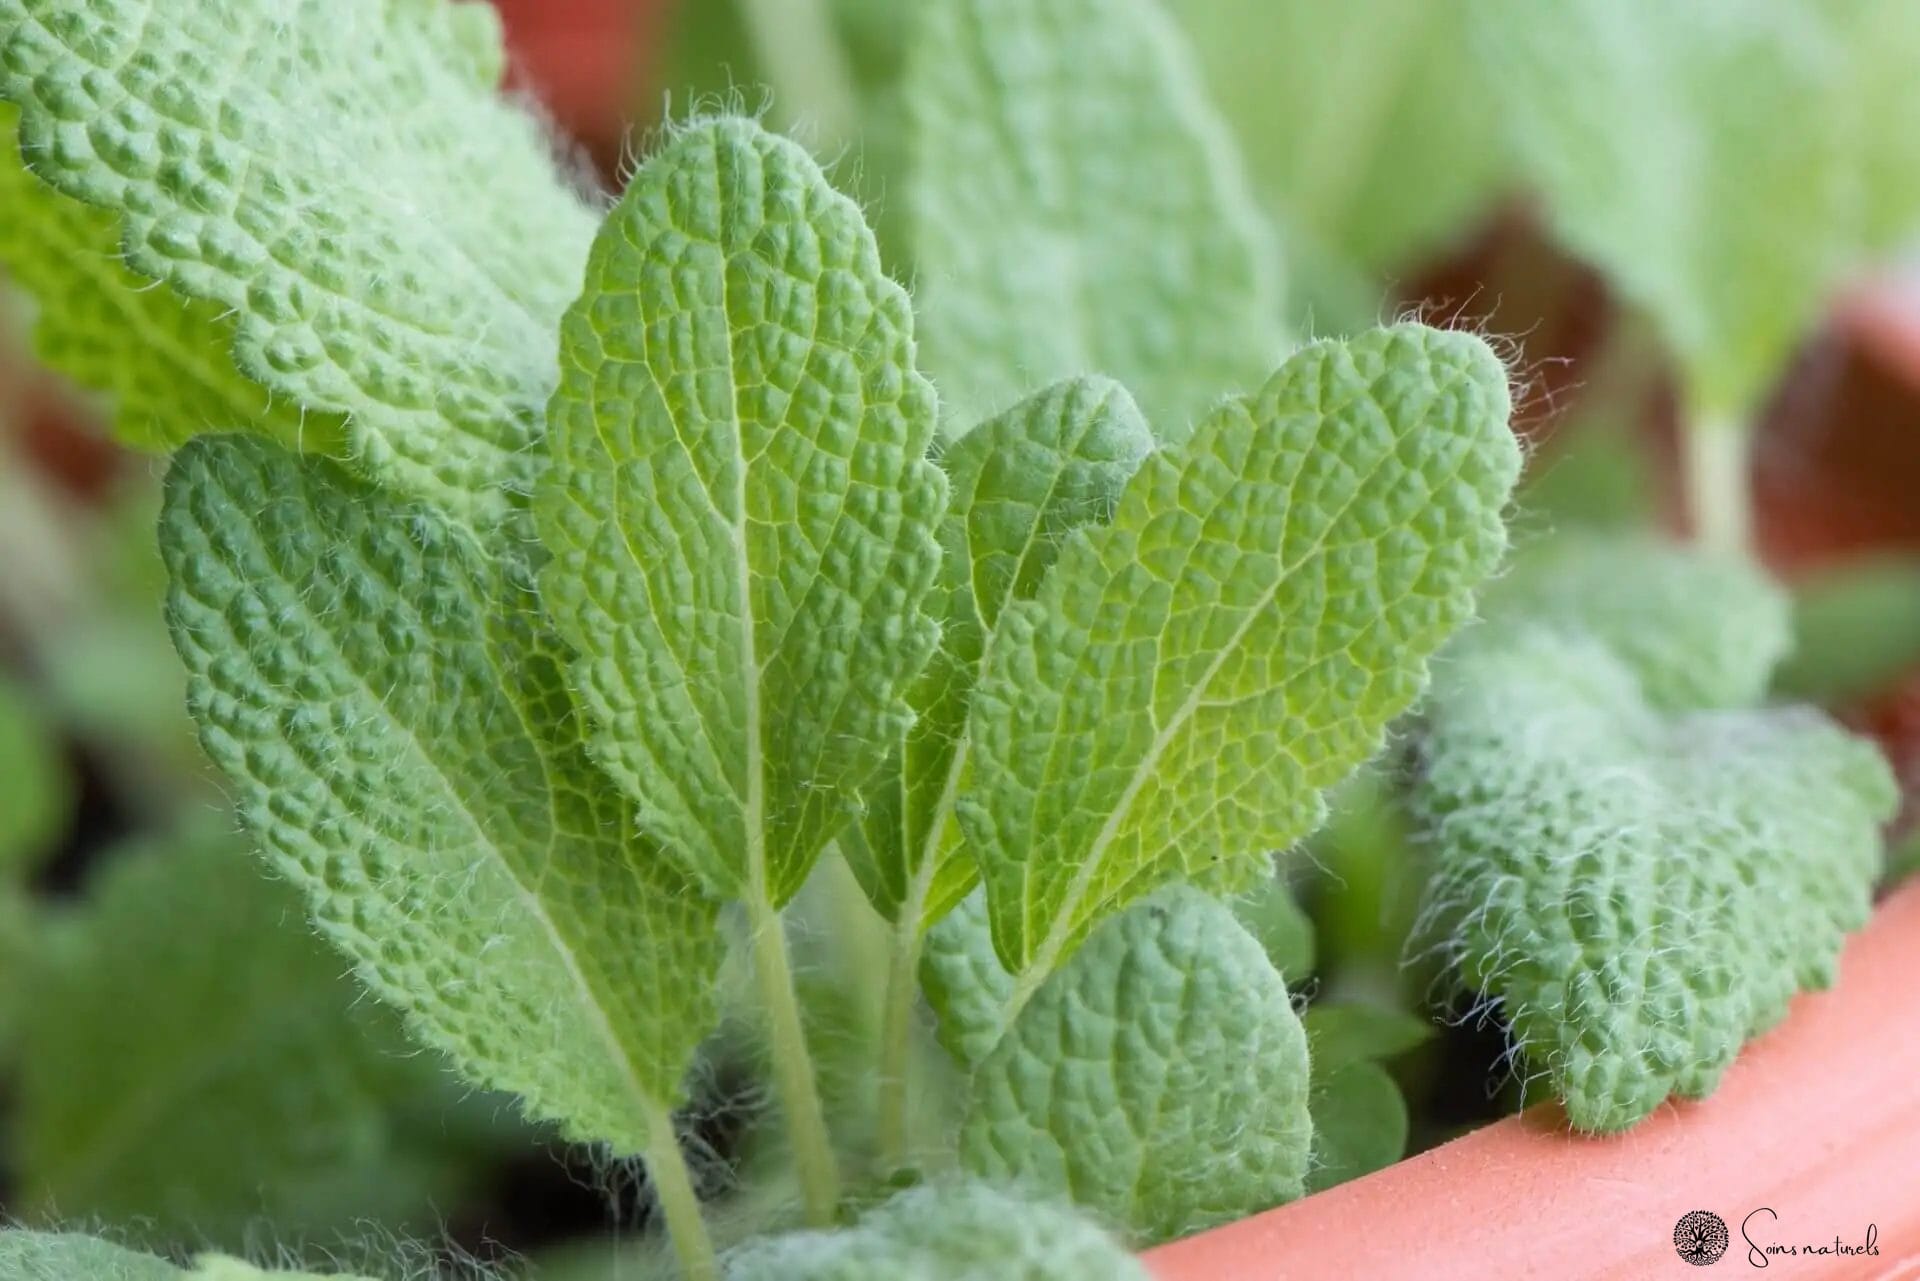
column 1699, row 628
column 163, row 361
column 72, row 1256
column 193, row 1060
column 945, row 1232
column 402, row 744
column 1726, row 161
column 335, row 185
column 1159, row 1079
column 1640, row 889
column 964, row 981
column 1190, row 676
column 1019, row 484
column 1342, row 1035
column 741, row 514
column 1076, row 207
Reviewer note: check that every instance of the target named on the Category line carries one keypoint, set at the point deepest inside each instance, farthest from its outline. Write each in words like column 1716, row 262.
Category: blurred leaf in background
column 825, row 71
column 1038, row 254
column 1365, row 127
column 36, row 794
column 195, row 1063
column 1724, row 161
column 1359, row 1116
column 1856, row 629
column 1271, row 912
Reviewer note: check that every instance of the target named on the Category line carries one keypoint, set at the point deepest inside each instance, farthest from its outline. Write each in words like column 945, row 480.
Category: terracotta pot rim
column 1818, row 1121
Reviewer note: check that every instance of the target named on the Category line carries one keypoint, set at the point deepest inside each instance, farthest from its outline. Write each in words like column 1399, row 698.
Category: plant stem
column 1718, row 487
column 793, row 1076
column 673, row 1187
column 896, row 1032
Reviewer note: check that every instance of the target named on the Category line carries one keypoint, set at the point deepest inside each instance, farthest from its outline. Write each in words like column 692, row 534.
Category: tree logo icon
column 1700, row 1237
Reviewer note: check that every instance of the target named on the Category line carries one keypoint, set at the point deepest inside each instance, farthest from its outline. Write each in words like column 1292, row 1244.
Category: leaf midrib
column 1047, row 956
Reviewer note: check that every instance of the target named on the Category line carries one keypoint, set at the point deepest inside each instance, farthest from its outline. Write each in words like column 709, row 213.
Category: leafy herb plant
column 564, row 590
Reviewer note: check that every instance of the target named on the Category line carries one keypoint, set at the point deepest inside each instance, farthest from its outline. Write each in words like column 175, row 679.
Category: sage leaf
column 399, row 737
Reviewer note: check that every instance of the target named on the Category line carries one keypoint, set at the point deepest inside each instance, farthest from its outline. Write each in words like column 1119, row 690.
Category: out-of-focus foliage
column 1856, row 628
column 1038, row 257
column 35, row 792
column 1369, row 133
column 193, row 1059
column 1359, row 1116
column 1725, row 162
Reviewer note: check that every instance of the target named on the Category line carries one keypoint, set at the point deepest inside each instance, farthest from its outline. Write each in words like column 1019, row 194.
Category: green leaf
column 1413, row 117
column 1856, row 630
column 1190, row 676
column 163, row 360
column 400, row 741
column 742, row 518
column 1359, row 1123
column 1699, row 628
column 1359, row 1116
column 350, row 208
column 1159, row 1078
column 1903, row 859
column 1076, row 207
column 1342, row 1035
column 1366, row 886
column 1272, row 914
column 192, row 1060
column 1639, row 889
column 964, row 982
column 35, row 793
column 950, row 1232
column 72, row 1256
column 1019, row 484
column 1726, row 162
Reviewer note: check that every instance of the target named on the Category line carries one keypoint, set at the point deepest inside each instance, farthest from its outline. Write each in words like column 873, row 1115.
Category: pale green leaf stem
column 1190, row 676
column 402, row 745
column 333, row 192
